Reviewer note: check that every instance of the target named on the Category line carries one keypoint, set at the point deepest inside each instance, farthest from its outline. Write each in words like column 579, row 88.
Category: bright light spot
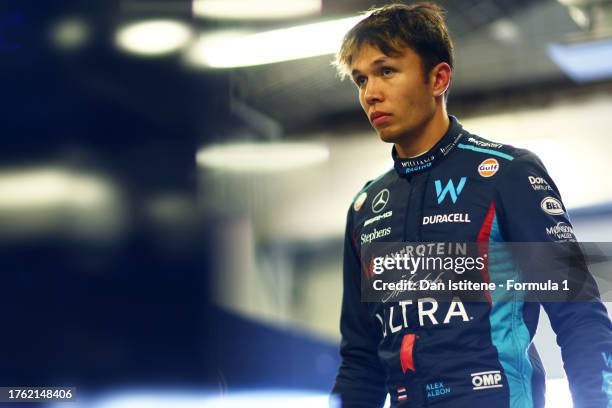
column 155, row 37
column 584, row 61
column 70, row 34
column 558, row 394
column 255, row 399
column 33, row 188
column 262, row 157
column 270, row 46
column 254, row 10
column 37, row 200
column 49, row 187
column 505, row 31
column 579, row 16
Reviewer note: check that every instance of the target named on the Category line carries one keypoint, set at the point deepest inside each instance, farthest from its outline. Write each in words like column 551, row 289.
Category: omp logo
column 486, row 380
column 449, row 189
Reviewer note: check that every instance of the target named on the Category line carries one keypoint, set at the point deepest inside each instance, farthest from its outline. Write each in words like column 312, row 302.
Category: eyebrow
column 378, row 61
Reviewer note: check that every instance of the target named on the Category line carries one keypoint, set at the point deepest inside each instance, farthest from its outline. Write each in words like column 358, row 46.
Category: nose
column 373, row 93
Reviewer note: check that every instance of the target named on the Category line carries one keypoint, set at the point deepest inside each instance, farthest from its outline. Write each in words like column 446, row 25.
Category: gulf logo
column 488, row 167
column 359, row 201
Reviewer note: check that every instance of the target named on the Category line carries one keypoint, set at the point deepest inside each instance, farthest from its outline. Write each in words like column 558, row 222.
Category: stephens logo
column 552, row 206
column 359, row 201
column 449, row 189
column 488, row 167
column 374, row 235
column 486, row 380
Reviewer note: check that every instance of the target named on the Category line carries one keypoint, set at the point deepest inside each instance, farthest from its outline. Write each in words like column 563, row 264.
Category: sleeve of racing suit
column 583, row 328
column 360, row 382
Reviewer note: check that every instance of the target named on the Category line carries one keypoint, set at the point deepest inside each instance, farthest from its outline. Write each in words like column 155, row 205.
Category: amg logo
column 487, row 379
column 377, row 218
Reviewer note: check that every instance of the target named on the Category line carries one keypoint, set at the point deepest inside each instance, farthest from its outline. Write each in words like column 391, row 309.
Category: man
column 449, row 185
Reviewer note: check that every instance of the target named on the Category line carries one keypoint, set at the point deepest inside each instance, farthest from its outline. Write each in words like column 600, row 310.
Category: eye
column 360, row 80
column 387, row 71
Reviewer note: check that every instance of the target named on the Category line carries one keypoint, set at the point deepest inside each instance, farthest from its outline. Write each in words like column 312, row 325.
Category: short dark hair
column 419, row 26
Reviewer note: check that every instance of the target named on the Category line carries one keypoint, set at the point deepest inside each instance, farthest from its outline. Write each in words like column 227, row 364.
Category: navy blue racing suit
column 465, row 189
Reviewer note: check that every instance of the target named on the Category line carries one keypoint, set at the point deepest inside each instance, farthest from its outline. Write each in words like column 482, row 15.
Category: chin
column 389, row 137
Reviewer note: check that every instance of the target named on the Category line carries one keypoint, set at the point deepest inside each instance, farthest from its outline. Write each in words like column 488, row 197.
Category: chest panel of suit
column 455, row 206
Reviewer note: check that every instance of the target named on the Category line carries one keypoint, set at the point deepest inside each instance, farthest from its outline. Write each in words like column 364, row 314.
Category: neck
column 426, row 137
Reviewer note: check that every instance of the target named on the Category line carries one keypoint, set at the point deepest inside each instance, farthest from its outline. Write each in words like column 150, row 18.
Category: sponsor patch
column 377, row 218
column 484, row 144
column 374, row 235
column 552, row 206
column 539, row 184
column 380, row 201
column 488, row 167
column 486, row 379
column 446, row 218
column 561, row 232
column 449, row 189
column 359, row 201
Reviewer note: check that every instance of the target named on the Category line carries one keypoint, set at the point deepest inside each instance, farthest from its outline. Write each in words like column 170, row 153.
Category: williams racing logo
column 449, row 189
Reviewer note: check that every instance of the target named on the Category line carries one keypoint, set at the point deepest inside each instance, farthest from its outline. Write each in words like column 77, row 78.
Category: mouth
column 380, row 119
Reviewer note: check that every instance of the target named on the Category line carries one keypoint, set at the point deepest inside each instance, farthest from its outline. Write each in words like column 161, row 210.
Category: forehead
column 369, row 55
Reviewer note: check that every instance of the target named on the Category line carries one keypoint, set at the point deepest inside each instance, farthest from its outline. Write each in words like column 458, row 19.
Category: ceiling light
column 262, row 157
column 155, row 37
column 270, row 46
column 590, row 60
column 49, row 187
column 505, row 31
column 255, row 10
column 70, row 33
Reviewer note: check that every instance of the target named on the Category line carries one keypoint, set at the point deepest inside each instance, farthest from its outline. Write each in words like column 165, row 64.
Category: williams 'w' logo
column 449, row 189
column 607, row 359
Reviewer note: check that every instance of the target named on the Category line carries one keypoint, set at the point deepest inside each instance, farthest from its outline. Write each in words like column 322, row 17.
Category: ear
column 440, row 78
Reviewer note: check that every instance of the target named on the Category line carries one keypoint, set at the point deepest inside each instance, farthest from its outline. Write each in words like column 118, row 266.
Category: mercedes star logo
column 380, row 201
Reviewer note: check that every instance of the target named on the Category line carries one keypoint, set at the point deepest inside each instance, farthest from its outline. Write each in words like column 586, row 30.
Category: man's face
column 395, row 87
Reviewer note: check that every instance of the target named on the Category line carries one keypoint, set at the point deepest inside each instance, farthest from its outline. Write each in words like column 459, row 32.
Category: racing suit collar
column 427, row 160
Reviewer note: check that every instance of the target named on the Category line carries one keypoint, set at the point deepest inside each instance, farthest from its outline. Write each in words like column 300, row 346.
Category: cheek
column 362, row 102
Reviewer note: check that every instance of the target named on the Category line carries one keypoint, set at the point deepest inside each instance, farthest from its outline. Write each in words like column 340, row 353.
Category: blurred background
column 175, row 176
